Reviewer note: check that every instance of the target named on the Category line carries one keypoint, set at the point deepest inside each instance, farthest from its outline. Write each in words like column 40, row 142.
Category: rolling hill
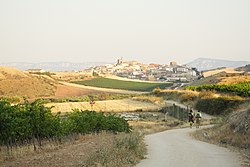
column 14, row 82
column 203, row 64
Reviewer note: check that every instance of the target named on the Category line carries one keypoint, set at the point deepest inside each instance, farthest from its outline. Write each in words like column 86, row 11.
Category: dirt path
column 175, row 148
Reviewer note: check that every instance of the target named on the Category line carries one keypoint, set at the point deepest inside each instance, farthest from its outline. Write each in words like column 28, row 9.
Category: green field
column 125, row 85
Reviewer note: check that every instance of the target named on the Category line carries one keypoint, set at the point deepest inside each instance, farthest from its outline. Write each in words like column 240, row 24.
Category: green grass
column 125, row 85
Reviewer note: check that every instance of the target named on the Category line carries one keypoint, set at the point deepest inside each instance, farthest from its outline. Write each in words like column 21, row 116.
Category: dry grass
column 28, row 86
column 71, row 76
column 126, row 105
column 150, row 99
column 85, row 150
column 14, row 82
column 227, row 70
column 234, row 79
column 9, row 73
column 123, row 150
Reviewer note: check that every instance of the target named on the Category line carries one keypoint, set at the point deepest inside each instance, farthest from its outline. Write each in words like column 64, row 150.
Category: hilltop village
column 147, row 72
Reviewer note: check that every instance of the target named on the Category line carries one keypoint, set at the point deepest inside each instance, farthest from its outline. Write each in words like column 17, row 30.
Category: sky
column 150, row 31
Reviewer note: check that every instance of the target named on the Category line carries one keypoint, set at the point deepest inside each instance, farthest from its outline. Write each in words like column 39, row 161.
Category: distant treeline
column 241, row 89
column 33, row 123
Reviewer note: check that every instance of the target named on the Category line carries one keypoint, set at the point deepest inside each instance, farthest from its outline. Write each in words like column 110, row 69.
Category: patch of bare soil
column 68, row 154
column 70, row 91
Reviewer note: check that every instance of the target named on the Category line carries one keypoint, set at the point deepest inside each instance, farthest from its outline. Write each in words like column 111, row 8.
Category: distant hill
column 246, row 68
column 53, row 66
column 15, row 82
column 203, row 64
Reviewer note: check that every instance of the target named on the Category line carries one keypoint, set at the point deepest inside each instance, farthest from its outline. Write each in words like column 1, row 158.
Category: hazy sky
column 103, row 30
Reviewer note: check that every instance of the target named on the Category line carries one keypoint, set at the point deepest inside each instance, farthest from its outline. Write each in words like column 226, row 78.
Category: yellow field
column 234, row 80
column 125, row 105
column 213, row 72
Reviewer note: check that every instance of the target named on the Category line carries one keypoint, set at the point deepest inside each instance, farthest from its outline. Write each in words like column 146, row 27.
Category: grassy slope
column 127, row 85
column 15, row 82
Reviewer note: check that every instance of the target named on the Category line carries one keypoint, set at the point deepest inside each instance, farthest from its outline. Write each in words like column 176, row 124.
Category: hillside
column 14, row 82
column 11, row 73
column 246, row 68
column 207, row 64
column 220, row 70
column 222, row 76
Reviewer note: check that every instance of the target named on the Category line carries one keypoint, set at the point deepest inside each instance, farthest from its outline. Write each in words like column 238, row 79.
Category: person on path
column 198, row 119
column 191, row 118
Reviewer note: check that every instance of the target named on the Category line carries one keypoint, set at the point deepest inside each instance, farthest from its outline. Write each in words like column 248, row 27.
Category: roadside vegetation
column 206, row 101
column 32, row 123
column 26, row 125
column 121, row 150
column 86, row 98
column 241, row 89
column 119, row 84
column 149, row 98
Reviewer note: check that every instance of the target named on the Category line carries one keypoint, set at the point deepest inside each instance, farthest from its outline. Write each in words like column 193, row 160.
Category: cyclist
column 198, row 119
column 191, row 118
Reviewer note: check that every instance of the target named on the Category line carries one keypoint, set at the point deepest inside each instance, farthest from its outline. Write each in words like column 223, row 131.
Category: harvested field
column 124, row 105
column 227, row 70
column 71, row 91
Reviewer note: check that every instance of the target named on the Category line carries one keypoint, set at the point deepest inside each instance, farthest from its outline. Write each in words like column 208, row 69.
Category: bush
column 187, row 97
column 33, row 123
column 206, row 95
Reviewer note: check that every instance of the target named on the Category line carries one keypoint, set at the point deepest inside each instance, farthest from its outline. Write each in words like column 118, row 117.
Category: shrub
column 206, row 95
column 187, row 97
column 33, row 123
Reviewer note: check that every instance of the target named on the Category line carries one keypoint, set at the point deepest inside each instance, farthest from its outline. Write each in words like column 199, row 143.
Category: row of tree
column 241, row 89
column 32, row 123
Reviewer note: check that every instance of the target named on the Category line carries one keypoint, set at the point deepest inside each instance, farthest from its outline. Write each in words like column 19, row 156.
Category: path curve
column 175, row 148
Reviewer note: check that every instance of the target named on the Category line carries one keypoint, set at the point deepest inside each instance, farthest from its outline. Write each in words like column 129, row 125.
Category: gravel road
column 175, row 148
